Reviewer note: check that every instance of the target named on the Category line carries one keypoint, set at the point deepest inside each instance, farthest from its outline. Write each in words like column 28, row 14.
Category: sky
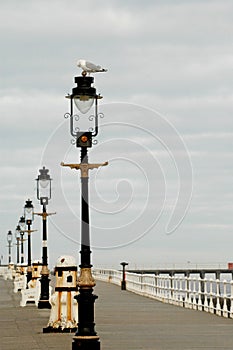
column 166, row 196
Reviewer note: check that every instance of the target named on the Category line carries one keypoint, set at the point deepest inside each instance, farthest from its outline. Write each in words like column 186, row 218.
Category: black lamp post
column 123, row 281
column 9, row 240
column 84, row 96
column 29, row 217
column 17, row 236
column 44, row 195
column 22, row 226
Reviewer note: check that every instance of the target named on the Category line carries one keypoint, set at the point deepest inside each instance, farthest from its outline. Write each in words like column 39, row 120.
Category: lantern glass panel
column 22, row 223
column 28, row 211
column 83, row 103
column 44, row 188
column 17, row 232
column 9, row 237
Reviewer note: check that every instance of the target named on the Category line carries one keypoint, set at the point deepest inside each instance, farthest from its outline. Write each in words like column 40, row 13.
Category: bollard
column 31, row 294
column 64, row 308
column 123, row 282
column 10, row 273
column 36, row 272
column 20, row 281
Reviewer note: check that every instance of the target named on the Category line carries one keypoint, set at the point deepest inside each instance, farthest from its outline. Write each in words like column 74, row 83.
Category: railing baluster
column 211, row 304
column 225, row 309
column 218, row 306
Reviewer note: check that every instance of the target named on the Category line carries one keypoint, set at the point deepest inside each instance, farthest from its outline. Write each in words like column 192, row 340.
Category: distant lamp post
column 123, row 282
column 22, row 225
column 9, row 240
column 44, row 195
column 29, row 217
column 83, row 97
column 17, row 236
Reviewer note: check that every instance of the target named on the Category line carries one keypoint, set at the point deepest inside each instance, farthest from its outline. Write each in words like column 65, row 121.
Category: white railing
column 210, row 295
column 108, row 275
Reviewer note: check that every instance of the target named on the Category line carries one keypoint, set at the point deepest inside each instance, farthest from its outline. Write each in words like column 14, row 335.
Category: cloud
column 174, row 57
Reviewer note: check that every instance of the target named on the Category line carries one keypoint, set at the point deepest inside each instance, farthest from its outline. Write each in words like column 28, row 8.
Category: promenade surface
column 124, row 321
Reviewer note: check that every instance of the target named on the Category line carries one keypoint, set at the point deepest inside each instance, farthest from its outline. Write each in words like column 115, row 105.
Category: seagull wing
column 92, row 66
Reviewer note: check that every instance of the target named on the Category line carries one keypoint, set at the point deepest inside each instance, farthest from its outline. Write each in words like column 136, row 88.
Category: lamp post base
column 123, row 285
column 50, row 329
column 86, row 343
column 44, row 296
column 29, row 276
column 86, row 338
column 44, row 304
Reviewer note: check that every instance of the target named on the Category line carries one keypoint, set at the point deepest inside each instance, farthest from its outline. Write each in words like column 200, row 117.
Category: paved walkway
column 124, row 321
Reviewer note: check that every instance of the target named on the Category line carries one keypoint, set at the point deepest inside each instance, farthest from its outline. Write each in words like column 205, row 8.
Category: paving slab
column 124, row 321
column 21, row 328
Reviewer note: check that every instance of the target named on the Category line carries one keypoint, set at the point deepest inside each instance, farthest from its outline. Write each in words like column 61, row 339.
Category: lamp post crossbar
column 84, row 167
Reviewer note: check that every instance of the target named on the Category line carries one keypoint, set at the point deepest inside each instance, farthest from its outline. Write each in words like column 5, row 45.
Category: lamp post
column 44, row 195
column 84, row 97
column 22, row 225
column 9, row 240
column 29, row 217
column 17, row 236
column 123, row 282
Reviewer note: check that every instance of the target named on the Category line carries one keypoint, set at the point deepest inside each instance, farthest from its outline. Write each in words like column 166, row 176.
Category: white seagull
column 89, row 67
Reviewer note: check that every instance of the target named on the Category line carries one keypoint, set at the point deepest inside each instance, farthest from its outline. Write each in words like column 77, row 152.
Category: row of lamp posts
column 25, row 225
column 83, row 97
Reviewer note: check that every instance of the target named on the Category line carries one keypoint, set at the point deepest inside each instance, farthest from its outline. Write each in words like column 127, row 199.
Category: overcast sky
column 166, row 196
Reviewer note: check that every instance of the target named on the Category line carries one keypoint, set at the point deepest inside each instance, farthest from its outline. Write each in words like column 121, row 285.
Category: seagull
column 89, row 67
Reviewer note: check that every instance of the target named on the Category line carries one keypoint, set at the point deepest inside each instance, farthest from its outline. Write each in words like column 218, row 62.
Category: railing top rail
column 182, row 271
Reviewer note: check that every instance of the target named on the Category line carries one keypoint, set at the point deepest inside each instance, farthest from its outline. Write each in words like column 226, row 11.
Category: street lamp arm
column 28, row 231
column 44, row 214
column 84, row 167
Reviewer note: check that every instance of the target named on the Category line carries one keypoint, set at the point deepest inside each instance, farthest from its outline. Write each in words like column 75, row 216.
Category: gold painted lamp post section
column 84, row 167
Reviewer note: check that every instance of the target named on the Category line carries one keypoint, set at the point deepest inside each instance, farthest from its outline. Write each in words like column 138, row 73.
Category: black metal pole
column 29, row 269
column 86, row 337
column 22, row 250
column 85, row 233
column 9, row 258
column 44, row 280
column 17, row 255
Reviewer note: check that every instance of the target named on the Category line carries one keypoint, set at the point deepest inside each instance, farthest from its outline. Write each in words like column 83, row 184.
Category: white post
column 194, row 294
column 218, row 306
column 231, row 297
column 206, row 306
column 211, row 304
column 225, row 309
column 199, row 304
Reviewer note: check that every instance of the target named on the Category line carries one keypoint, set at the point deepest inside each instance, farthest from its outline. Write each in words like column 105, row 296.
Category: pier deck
column 124, row 321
